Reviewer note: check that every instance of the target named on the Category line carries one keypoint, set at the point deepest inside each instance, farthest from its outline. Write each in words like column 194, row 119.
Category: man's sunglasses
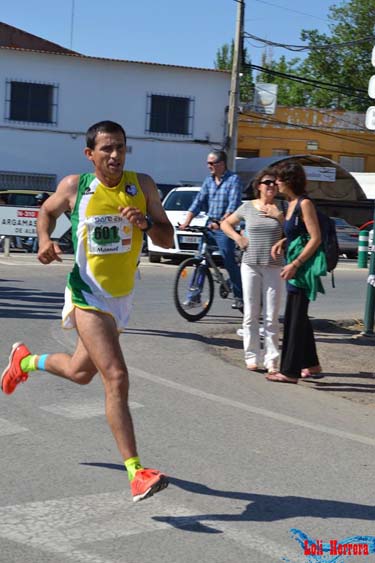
column 269, row 182
column 213, row 163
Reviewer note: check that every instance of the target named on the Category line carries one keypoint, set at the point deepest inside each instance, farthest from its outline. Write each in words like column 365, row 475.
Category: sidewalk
column 347, row 358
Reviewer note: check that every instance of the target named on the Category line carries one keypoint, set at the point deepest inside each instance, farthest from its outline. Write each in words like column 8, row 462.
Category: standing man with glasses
column 220, row 196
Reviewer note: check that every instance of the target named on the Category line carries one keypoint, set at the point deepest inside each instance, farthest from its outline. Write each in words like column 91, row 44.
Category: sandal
column 252, row 367
column 281, row 378
column 272, row 369
column 314, row 372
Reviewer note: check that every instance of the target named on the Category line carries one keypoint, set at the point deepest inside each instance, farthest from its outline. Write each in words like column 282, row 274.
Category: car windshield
column 22, row 200
column 179, row 200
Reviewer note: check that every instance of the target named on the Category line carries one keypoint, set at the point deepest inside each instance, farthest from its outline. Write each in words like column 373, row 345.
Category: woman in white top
column 260, row 273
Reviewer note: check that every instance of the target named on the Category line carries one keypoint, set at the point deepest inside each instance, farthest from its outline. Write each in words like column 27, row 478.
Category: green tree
column 224, row 61
column 347, row 66
column 289, row 92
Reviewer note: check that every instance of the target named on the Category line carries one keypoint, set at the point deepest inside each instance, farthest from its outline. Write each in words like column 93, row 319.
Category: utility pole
column 72, row 25
column 234, row 98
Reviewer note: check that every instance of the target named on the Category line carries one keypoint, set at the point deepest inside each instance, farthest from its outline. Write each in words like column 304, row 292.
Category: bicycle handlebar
column 194, row 229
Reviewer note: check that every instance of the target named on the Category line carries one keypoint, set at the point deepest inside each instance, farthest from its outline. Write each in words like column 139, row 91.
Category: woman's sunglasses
column 269, row 182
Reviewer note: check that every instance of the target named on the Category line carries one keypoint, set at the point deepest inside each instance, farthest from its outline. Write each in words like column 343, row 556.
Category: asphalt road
column 249, row 461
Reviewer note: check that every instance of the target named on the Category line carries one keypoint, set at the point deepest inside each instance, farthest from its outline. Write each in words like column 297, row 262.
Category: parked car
column 32, row 198
column 23, row 198
column 164, row 189
column 176, row 204
column 347, row 236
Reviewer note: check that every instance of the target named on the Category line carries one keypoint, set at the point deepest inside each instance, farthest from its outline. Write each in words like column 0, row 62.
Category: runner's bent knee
column 83, row 378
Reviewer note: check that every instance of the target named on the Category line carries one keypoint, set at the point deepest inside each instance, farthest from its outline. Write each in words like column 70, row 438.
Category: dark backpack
column 330, row 244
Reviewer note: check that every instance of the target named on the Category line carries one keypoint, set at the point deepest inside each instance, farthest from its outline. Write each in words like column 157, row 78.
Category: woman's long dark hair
column 292, row 174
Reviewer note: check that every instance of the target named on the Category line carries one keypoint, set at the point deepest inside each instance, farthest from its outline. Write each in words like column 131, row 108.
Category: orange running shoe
column 146, row 483
column 13, row 374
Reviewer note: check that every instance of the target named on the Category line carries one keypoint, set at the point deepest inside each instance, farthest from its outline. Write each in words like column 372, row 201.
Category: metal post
column 368, row 319
column 234, row 97
column 6, row 246
column 363, row 249
column 72, row 25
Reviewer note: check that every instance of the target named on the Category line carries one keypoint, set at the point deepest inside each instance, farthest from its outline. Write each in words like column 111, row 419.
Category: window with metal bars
column 171, row 115
column 27, row 181
column 31, row 102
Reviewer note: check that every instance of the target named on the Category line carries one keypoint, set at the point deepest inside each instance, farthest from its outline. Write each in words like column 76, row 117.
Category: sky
column 165, row 31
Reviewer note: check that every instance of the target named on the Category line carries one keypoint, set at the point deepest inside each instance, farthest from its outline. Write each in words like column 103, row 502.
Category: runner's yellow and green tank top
column 106, row 246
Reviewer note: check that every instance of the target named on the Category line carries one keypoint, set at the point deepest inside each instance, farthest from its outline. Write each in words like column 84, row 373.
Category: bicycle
column 193, row 290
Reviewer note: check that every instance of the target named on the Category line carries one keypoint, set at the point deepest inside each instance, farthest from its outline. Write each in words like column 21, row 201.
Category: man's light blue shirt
column 218, row 200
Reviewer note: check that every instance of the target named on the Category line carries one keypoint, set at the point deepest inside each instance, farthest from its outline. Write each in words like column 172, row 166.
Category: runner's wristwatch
column 150, row 223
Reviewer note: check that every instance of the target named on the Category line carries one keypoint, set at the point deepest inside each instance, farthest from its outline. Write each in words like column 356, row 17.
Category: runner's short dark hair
column 102, row 127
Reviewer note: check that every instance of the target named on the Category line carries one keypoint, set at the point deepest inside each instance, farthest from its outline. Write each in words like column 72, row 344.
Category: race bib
column 108, row 234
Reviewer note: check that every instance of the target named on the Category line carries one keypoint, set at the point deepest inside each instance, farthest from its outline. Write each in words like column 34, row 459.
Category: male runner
column 110, row 211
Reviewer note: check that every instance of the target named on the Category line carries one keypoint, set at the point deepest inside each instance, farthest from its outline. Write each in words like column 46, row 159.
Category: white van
column 176, row 204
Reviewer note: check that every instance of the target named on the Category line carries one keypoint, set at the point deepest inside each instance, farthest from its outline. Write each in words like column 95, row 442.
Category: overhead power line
column 327, row 113
column 291, row 10
column 345, row 90
column 329, row 46
column 262, row 117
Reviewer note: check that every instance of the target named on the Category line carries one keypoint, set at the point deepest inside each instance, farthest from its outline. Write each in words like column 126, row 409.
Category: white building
column 50, row 96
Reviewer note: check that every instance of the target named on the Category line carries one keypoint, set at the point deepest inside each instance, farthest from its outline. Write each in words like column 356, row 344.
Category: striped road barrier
column 363, row 249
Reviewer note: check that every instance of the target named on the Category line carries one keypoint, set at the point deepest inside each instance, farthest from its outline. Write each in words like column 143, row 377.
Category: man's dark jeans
column 227, row 250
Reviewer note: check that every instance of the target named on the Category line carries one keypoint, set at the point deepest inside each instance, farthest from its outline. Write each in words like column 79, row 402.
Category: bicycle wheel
column 193, row 290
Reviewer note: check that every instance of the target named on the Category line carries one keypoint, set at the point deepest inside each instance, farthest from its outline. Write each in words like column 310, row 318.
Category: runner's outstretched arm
column 59, row 202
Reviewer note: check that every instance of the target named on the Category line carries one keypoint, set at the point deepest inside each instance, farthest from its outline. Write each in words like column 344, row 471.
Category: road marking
column 254, row 410
column 25, row 263
column 236, row 404
column 63, row 526
column 28, row 261
column 82, row 410
column 7, row 428
column 157, row 265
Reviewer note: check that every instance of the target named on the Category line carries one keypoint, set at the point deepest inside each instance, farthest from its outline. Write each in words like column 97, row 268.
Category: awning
column 326, row 179
column 367, row 182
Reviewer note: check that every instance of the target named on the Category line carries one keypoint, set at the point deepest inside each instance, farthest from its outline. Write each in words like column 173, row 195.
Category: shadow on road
column 211, row 340
column 29, row 303
column 269, row 508
column 350, row 386
column 261, row 508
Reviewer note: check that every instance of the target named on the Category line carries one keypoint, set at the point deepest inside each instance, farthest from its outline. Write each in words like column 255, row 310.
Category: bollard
column 363, row 249
column 6, row 246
